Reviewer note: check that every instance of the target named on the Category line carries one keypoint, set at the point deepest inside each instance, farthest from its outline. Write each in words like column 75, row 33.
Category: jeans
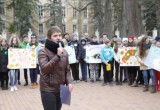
column 84, row 70
column 51, row 100
column 13, row 77
column 145, row 77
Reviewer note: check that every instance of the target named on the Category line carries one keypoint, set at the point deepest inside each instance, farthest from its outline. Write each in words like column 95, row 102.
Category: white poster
column 71, row 52
column 22, row 58
column 153, row 58
column 93, row 53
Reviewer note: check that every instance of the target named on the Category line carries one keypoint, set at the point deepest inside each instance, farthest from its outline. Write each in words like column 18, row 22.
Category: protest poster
column 93, row 53
column 71, row 54
column 22, row 58
column 153, row 58
column 128, row 56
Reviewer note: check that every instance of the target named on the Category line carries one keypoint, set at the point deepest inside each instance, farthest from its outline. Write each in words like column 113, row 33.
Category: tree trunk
column 108, row 17
column 133, row 17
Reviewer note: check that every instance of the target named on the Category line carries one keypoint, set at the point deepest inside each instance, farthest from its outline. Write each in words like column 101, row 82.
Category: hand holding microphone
column 60, row 50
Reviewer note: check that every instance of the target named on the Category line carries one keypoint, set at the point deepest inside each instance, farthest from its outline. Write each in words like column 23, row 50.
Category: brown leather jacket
column 53, row 70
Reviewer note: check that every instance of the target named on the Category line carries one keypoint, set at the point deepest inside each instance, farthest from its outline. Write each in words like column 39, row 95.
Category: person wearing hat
column 132, row 71
column 106, row 55
column 81, row 58
column 23, row 46
column 33, row 44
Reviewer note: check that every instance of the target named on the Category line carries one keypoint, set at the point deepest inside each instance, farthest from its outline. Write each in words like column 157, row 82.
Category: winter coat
column 3, row 59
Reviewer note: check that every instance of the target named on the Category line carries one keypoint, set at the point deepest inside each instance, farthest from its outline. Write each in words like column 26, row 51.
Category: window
column 63, row 27
column 40, row 28
column 74, row 13
column 85, row 28
column 40, row 11
column 85, row 13
column 2, row 11
column 63, row 12
column 74, row 27
column 2, row 26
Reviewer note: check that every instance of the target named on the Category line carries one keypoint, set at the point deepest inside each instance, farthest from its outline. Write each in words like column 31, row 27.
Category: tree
column 23, row 11
column 55, row 9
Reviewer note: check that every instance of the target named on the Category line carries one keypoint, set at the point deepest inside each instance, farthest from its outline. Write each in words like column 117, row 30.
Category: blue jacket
column 106, row 54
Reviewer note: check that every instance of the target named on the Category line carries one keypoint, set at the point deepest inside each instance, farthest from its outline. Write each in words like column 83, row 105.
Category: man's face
column 104, row 37
column 85, row 35
column 94, row 39
column 66, row 36
column 56, row 37
column 25, row 39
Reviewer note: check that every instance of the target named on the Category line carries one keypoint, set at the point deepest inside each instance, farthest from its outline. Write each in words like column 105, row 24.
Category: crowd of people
column 108, row 71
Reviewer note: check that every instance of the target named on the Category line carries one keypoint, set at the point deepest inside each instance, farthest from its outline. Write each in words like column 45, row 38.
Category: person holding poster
column 55, row 70
column 143, row 50
column 3, row 64
column 94, row 67
column 132, row 70
column 14, row 42
column 107, row 56
column 75, row 66
column 157, row 73
column 33, row 44
column 116, row 49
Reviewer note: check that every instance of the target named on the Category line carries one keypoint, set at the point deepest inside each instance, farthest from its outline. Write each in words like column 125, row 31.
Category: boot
column 34, row 85
column 26, row 84
column 135, row 84
column 31, row 86
column 145, row 89
column 153, row 89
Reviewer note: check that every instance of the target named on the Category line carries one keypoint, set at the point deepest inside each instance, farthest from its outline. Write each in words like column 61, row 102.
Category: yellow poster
column 21, row 58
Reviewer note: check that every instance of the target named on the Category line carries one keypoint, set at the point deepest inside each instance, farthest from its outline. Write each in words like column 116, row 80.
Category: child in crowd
column 3, row 64
column 82, row 58
column 94, row 67
column 143, row 50
column 116, row 49
column 132, row 71
column 107, row 56
column 34, row 71
column 14, row 42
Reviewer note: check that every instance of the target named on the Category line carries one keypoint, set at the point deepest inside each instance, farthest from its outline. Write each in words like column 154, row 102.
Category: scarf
column 52, row 46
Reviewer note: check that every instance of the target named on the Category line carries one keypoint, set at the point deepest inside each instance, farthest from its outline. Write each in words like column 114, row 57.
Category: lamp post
column 154, row 33
column 117, row 33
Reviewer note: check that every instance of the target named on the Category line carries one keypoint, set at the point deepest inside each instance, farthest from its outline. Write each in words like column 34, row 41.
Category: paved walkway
column 85, row 96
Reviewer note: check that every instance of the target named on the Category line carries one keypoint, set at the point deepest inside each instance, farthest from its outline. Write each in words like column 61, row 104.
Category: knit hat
column 106, row 41
column 115, row 36
column 33, row 36
column 132, row 37
column 157, row 38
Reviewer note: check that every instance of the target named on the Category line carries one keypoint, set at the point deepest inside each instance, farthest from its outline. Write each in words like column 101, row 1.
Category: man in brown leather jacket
column 55, row 70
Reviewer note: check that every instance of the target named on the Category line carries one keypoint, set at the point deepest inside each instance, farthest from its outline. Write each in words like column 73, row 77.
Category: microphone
column 60, row 45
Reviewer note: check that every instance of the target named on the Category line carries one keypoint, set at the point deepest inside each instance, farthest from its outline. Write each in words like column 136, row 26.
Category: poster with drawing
column 128, row 56
column 71, row 52
column 153, row 58
column 93, row 53
column 22, row 58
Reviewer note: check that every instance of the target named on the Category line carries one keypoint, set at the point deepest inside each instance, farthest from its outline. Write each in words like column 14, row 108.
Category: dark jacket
column 53, row 70
column 75, row 44
column 94, row 43
column 3, row 59
column 81, row 51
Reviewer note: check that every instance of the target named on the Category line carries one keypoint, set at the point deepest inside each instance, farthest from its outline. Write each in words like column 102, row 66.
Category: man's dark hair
column 52, row 30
